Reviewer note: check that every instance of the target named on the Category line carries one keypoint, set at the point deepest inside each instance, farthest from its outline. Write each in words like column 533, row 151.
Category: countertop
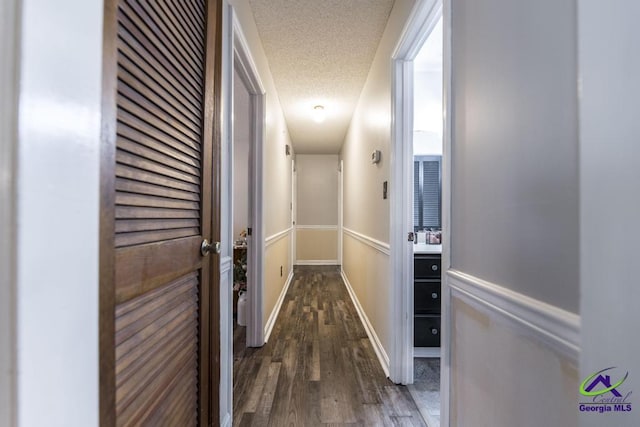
column 423, row 248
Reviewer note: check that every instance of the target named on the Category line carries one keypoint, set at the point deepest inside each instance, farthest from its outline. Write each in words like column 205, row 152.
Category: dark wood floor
column 319, row 367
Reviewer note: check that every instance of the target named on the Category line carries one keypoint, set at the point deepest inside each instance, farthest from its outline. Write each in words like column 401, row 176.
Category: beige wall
column 317, row 208
column 502, row 375
column 317, row 244
column 365, row 211
column 317, row 189
column 368, row 271
column 277, row 165
column 276, row 256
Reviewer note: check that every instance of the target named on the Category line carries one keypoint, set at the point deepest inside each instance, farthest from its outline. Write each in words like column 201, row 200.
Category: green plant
column 240, row 273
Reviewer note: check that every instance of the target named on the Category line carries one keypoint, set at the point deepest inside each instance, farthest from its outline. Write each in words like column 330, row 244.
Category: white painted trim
column 317, row 262
column 422, row 19
column 559, row 328
column 225, row 264
column 9, row 51
column 375, row 244
column 426, row 352
column 292, row 240
column 340, row 210
column 275, row 237
column 294, row 212
column 383, row 358
column 237, row 56
column 226, row 213
column 317, row 227
column 226, row 420
column 247, row 70
column 271, row 321
column 445, row 314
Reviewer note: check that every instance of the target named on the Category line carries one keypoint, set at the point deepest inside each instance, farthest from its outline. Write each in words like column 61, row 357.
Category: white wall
column 241, row 136
column 58, row 200
column 513, row 327
column 609, row 67
column 515, row 150
column 365, row 211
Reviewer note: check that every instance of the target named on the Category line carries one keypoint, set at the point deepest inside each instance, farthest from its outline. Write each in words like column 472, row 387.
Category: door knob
column 206, row 248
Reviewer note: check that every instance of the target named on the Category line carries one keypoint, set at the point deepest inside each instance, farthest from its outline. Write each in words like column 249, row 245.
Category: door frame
column 340, row 209
column 421, row 22
column 294, row 213
column 237, row 57
column 244, row 64
column 10, row 19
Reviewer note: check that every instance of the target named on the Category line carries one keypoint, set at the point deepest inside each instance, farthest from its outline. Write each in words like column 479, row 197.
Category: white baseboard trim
column 559, row 328
column 383, row 247
column 383, row 358
column 426, row 352
column 271, row 321
column 317, row 262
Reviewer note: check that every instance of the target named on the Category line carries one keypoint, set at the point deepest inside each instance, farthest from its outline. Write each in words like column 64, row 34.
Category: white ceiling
column 320, row 52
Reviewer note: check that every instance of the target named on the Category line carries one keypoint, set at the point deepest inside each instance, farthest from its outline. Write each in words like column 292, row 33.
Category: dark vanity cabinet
column 426, row 297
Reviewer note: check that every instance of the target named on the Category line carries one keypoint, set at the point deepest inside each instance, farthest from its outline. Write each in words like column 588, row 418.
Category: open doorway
column 242, row 234
column 427, row 224
column 241, row 212
column 419, row 212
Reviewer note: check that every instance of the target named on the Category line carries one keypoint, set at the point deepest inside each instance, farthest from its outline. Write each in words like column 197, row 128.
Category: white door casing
column 237, row 56
column 421, row 22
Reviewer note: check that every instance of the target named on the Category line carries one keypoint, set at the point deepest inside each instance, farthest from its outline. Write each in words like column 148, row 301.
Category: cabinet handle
column 434, row 331
column 434, row 267
column 434, row 295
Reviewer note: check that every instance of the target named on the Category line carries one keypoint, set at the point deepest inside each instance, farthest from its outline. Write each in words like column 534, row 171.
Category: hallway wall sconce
column 318, row 114
column 287, row 150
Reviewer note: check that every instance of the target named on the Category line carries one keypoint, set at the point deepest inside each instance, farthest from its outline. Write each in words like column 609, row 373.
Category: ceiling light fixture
column 318, row 114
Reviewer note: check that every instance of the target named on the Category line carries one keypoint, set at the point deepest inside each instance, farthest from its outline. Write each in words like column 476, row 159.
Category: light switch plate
column 375, row 156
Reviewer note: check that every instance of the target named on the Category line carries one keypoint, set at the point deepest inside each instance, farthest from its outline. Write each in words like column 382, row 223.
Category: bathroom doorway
column 420, row 206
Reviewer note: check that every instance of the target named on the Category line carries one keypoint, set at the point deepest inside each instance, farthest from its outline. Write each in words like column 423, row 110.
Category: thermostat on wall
column 375, row 156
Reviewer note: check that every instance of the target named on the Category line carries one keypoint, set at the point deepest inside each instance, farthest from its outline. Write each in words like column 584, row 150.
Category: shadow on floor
column 425, row 389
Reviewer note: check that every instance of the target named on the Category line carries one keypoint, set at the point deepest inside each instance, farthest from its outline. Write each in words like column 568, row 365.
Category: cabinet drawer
column 426, row 296
column 426, row 267
column 426, row 331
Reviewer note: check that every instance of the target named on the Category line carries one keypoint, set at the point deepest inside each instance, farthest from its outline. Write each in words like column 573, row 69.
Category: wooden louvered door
column 159, row 201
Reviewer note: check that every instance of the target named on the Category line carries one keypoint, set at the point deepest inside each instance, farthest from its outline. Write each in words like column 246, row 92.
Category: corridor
column 318, row 367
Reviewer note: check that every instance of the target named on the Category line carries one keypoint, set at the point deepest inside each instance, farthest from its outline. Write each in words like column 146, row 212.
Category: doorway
column 240, row 74
column 419, row 308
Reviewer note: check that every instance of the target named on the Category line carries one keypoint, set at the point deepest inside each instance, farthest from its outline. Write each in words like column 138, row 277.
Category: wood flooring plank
column 319, row 367
column 263, row 411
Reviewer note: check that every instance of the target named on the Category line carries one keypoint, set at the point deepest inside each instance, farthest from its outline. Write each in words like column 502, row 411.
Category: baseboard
column 271, row 321
column 559, row 328
column 426, row 352
column 383, row 358
column 317, row 262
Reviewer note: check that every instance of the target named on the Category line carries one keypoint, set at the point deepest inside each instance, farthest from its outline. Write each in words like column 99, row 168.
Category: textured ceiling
column 320, row 52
